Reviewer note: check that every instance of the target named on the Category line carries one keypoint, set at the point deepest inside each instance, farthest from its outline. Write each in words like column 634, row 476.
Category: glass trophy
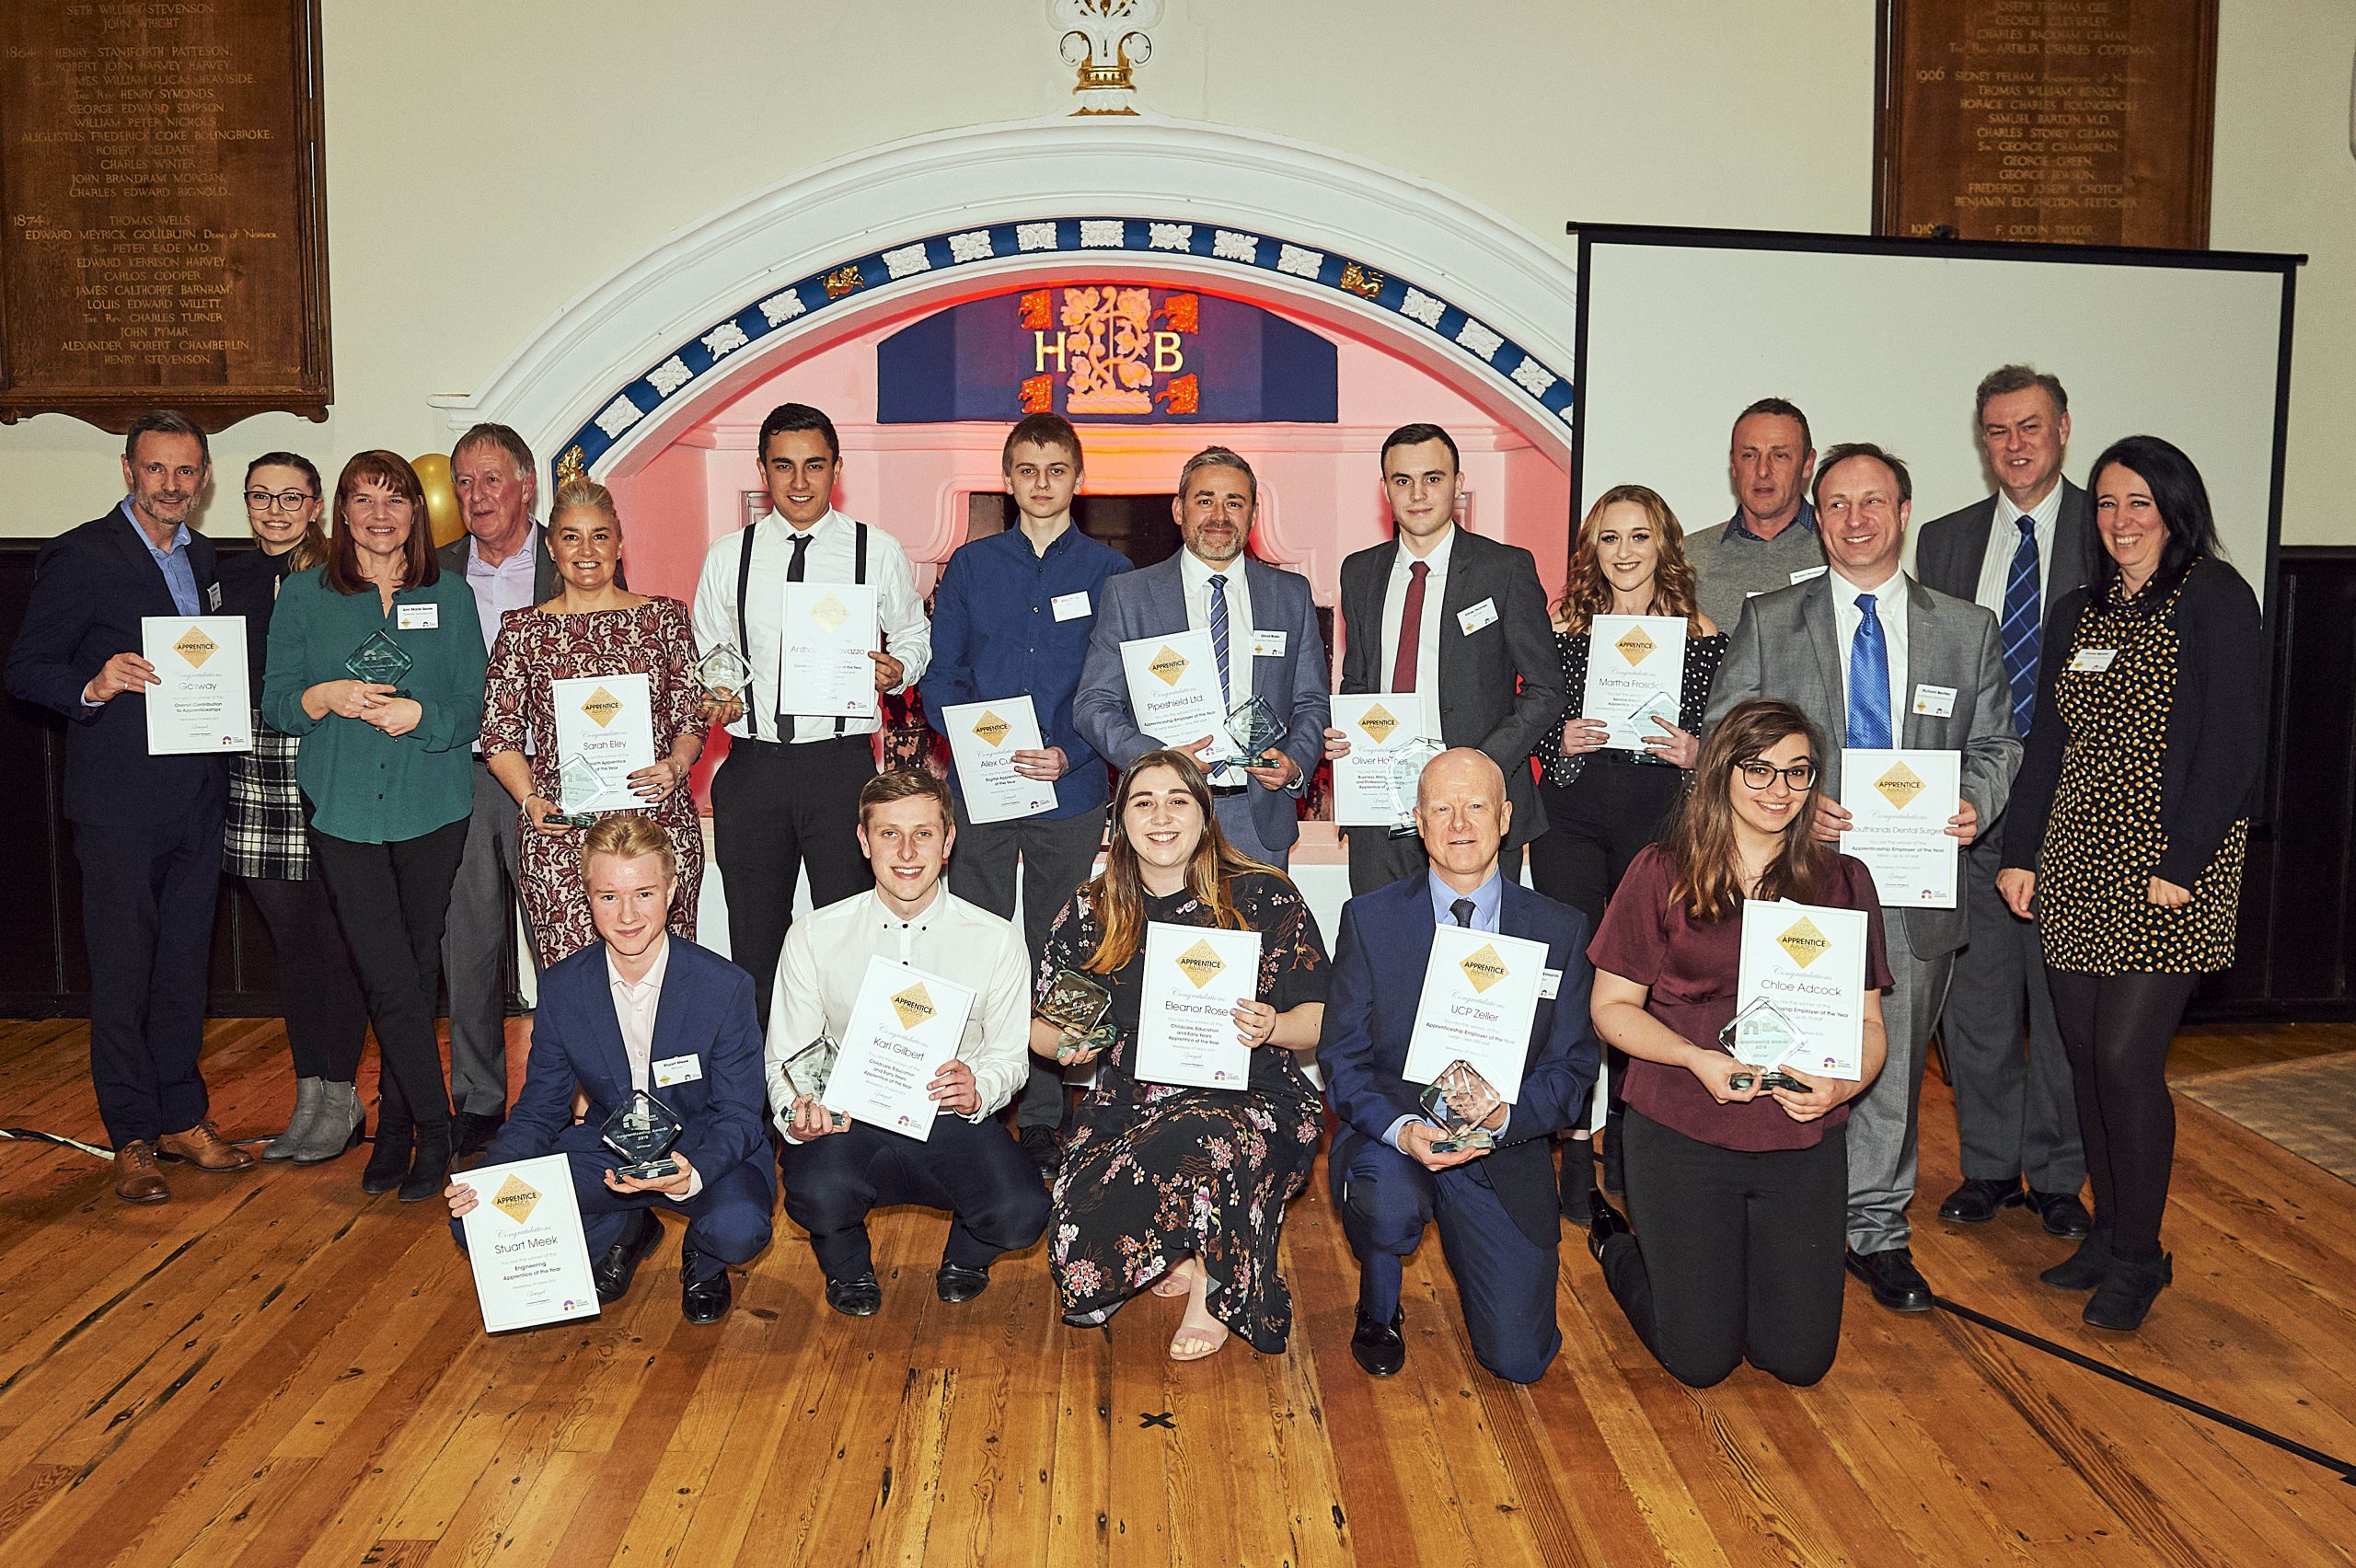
column 642, row 1130
column 1761, row 1036
column 1074, row 1002
column 1406, row 778
column 724, row 670
column 578, row 780
column 1460, row 1100
column 1254, row 728
column 807, row 1070
column 1640, row 718
column 380, row 661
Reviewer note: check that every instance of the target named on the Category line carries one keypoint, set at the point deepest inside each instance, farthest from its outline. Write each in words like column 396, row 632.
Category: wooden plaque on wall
column 166, row 201
column 2077, row 121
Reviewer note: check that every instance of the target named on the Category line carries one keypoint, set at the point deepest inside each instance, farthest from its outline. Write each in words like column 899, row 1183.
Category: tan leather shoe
column 136, row 1178
column 201, row 1147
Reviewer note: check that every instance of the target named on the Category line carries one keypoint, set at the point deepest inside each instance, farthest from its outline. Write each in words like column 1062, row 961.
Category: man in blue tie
column 2014, row 554
column 1877, row 660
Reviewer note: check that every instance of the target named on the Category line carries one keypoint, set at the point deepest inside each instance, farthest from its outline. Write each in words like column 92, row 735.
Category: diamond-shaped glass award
column 1658, row 706
column 1254, row 728
column 1460, row 1100
column 380, row 661
column 578, row 782
column 1074, row 1002
column 642, row 1131
column 807, row 1070
column 722, row 670
column 1406, row 778
column 1761, row 1035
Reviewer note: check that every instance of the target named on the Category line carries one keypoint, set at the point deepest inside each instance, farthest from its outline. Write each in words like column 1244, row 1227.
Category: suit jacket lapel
column 153, row 589
column 605, row 1028
column 1923, row 656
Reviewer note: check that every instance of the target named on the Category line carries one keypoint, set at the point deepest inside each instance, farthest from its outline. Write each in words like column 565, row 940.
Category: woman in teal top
column 376, row 662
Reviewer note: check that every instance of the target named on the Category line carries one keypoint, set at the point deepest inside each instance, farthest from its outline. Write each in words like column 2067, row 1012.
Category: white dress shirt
column 908, row 634
column 1890, row 608
column 1195, row 574
column 635, row 1005
column 824, row 962
column 1394, row 604
column 2004, row 537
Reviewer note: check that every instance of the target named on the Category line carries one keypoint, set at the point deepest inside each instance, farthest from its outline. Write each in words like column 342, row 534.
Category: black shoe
column 428, row 1169
column 1615, row 1170
column 2127, row 1292
column 857, row 1297
column 1896, row 1282
column 1045, row 1149
column 389, row 1158
column 475, row 1129
column 701, row 1300
column 956, row 1283
column 614, row 1270
column 2083, row 1269
column 1603, row 1222
column 1977, row 1201
column 1378, row 1347
column 2063, row 1215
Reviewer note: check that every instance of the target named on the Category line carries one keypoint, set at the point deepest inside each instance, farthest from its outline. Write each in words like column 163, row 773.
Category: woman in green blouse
column 376, row 662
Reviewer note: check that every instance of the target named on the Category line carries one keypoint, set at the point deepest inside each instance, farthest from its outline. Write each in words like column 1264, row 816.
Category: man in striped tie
column 2013, row 553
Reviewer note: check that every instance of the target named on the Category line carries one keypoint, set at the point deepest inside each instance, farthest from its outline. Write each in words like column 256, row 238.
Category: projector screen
column 1884, row 340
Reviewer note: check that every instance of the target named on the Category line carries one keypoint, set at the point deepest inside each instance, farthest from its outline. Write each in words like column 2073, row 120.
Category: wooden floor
column 273, row 1369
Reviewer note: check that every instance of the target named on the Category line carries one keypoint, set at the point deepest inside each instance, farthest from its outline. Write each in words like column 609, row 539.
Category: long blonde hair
column 1118, row 896
column 1587, row 593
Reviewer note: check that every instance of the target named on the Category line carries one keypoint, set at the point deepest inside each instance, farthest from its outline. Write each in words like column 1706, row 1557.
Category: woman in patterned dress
column 593, row 627
column 1184, row 1186
column 2126, row 830
column 1603, row 806
column 264, row 838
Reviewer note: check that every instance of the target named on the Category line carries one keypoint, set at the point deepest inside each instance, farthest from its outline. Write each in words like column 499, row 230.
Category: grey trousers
column 1882, row 1120
column 1234, row 809
column 2014, row 1110
column 1056, row 855
column 474, row 950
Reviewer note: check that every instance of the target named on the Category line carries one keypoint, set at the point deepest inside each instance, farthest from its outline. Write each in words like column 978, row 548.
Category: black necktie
column 792, row 574
column 1462, row 910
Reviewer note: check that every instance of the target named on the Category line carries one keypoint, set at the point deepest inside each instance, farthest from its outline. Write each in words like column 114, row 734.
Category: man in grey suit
column 1458, row 619
column 2013, row 554
column 1267, row 623
column 504, row 559
column 1876, row 661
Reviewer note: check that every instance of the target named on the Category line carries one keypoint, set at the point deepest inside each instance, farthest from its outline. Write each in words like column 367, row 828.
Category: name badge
column 2093, row 661
column 1549, row 982
column 1472, row 617
column 213, row 596
column 1268, row 644
column 678, row 1069
column 417, row 617
column 1811, row 571
column 1069, row 606
column 1935, row 701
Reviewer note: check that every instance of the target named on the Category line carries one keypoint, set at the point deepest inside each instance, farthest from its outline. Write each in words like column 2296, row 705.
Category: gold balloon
column 441, row 498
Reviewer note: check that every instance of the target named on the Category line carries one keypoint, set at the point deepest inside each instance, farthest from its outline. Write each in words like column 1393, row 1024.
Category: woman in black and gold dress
column 2126, row 831
column 1184, row 1186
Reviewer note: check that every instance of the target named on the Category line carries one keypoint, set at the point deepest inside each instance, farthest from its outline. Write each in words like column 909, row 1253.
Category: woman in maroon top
column 1738, row 1190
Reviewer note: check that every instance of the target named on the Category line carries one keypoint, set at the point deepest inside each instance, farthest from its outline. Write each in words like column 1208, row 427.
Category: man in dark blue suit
column 1496, row 1207
column 1266, row 620
column 146, row 829
column 642, row 1010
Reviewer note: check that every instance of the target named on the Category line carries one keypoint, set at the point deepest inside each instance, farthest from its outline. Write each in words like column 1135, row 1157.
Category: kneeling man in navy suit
column 1496, row 1207
column 643, row 1010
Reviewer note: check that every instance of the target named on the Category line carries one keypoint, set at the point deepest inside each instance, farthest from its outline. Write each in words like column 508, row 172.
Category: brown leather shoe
column 136, row 1178
column 200, row 1146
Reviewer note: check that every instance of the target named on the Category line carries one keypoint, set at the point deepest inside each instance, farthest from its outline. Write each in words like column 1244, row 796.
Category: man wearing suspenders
column 786, row 799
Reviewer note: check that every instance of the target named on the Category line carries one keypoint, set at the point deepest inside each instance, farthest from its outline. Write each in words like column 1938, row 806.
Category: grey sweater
column 1727, row 570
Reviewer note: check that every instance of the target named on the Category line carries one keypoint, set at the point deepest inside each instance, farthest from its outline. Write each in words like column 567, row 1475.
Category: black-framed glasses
column 1757, row 775
column 284, row 500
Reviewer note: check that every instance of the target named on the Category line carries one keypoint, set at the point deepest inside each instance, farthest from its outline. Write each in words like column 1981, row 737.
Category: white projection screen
column 1884, row 340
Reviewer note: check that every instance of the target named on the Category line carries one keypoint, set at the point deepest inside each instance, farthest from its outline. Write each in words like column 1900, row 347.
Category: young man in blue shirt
column 1011, row 616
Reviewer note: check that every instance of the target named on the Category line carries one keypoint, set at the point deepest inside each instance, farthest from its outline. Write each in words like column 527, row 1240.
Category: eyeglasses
column 1757, row 775
column 284, row 500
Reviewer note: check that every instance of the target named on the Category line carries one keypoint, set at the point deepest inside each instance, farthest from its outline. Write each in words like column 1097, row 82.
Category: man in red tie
column 1459, row 621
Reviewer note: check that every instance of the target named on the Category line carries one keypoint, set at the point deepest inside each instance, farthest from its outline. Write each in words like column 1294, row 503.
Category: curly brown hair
column 1587, row 593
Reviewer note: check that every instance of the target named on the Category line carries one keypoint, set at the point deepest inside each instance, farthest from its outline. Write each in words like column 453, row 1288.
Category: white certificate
column 1810, row 963
column 605, row 733
column 1479, row 999
column 1173, row 691
column 983, row 739
column 830, row 629
column 1381, row 729
column 1635, row 668
column 525, row 1244
column 203, row 703
column 1899, row 803
column 905, row 1027
column 1194, row 977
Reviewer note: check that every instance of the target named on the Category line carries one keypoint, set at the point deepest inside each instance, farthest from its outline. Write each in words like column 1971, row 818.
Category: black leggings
column 327, row 1023
column 391, row 900
column 2116, row 1030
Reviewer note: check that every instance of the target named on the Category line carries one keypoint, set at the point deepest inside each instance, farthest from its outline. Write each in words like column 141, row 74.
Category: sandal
column 1177, row 1280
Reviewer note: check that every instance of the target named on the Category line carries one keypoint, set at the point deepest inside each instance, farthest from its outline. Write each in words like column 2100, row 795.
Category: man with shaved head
column 1498, row 1219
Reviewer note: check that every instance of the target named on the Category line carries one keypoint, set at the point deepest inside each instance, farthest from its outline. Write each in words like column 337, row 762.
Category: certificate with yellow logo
column 905, row 1027
column 830, row 629
column 1479, row 999
column 1383, row 728
column 1810, row 963
column 605, row 733
column 1173, row 691
column 1636, row 669
column 1899, row 803
column 1194, row 977
column 983, row 739
column 201, row 703
column 526, row 1245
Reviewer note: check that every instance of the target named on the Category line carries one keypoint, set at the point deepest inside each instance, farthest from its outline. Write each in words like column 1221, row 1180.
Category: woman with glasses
column 1738, row 1190
column 266, row 837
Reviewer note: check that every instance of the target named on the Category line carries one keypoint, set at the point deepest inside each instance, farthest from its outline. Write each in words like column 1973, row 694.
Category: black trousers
column 1595, row 828
column 148, row 896
column 776, row 810
column 1737, row 1255
column 996, row 1199
column 326, row 1021
column 2117, row 1029
column 391, row 899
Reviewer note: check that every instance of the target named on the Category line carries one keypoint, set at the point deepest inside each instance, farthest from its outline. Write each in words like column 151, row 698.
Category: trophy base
column 1772, row 1080
column 1469, row 1142
column 573, row 819
column 1405, row 832
column 650, row 1170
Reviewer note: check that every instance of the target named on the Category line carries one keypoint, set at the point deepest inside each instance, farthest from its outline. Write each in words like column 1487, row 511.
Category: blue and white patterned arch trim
column 1546, row 387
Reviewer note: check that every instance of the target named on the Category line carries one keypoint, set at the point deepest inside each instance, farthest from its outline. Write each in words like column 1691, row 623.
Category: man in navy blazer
column 643, row 1010
column 1497, row 1209
column 1274, row 651
column 146, row 829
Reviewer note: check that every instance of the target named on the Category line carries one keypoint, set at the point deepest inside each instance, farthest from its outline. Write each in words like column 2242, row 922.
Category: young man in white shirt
column 835, row 1174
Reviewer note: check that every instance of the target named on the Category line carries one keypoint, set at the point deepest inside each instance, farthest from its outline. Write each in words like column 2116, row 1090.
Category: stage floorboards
column 275, row 1369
